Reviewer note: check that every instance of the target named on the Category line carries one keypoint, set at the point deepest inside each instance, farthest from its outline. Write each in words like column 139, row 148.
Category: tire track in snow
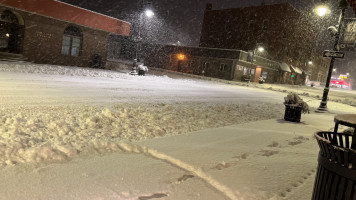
column 131, row 148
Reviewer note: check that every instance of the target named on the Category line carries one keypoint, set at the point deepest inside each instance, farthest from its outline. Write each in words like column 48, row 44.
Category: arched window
column 72, row 38
column 8, row 16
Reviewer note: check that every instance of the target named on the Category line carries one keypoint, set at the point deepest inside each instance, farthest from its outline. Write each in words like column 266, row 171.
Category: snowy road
column 17, row 88
column 56, row 112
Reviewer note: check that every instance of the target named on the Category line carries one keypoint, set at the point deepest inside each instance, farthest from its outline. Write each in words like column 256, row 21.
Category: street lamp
column 259, row 49
column 336, row 33
column 149, row 13
column 180, row 57
column 322, row 10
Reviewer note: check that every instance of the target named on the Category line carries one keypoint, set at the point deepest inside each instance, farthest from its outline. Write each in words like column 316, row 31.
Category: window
column 284, row 34
column 264, row 75
column 8, row 16
column 71, row 43
column 245, row 70
column 251, row 24
column 114, row 49
column 239, row 67
column 223, row 67
column 265, row 24
column 206, row 65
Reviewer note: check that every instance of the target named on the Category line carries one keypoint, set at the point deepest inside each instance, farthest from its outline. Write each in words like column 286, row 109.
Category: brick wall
column 42, row 41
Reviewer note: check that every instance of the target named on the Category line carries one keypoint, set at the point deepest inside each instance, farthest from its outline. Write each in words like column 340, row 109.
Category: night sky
column 181, row 20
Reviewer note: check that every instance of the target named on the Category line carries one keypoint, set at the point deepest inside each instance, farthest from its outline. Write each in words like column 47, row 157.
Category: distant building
column 352, row 4
column 228, row 64
column 285, row 33
column 53, row 32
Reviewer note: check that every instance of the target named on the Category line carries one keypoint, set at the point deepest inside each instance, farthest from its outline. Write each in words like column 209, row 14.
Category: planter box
column 293, row 112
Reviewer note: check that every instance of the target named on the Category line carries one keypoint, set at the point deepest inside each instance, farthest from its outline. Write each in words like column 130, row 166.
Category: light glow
column 181, row 56
column 149, row 13
column 261, row 49
column 322, row 10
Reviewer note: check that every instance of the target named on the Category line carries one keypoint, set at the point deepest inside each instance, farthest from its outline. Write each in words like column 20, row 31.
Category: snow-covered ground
column 54, row 112
column 63, row 118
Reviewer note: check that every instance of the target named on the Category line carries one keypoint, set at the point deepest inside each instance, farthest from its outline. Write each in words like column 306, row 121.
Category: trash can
column 293, row 112
column 336, row 173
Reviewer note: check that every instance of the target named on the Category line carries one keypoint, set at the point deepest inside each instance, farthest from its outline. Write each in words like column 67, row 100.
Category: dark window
column 206, row 65
column 114, row 50
column 284, row 34
column 251, row 24
column 265, row 24
column 223, row 67
column 71, row 43
column 8, row 16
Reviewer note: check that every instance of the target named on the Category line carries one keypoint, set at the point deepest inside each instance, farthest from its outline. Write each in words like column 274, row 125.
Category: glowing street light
column 149, row 13
column 310, row 62
column 180, row 57
column 322, row 10
column 336, row 32
column 258, row 48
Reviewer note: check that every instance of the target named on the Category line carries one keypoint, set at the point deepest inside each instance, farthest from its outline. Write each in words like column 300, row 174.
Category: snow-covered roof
column 66, row 12
column 284, row 67
column 296, row 69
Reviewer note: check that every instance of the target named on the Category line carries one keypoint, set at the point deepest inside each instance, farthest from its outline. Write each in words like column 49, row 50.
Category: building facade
column 53, row 32
column 285, row 33
column 225, row 64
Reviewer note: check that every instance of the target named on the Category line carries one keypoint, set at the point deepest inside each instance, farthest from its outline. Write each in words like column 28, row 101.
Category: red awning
column 352, row 4
column 70, row 13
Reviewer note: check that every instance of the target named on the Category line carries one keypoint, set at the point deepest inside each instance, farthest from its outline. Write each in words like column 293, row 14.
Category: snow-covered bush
column 294, row 99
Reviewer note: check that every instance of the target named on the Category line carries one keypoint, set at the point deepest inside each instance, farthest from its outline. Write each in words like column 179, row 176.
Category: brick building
column 53, row 32
column 352, row 4
column 228, row 64
column 286, row 34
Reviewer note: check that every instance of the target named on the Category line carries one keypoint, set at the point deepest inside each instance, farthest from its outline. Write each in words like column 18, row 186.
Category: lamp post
column 149, row 13
column 342, row 5
column 257, row 48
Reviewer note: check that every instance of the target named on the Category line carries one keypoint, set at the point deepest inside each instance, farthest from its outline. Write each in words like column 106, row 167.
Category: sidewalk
column 271, row 159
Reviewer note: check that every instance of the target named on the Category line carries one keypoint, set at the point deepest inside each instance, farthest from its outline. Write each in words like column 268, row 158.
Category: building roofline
column 256, row 6
column 66, row 12
column 90, row 11
column 171, row 45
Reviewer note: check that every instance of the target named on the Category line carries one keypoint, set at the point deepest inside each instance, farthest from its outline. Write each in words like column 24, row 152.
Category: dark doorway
column 11, row 33
column 95, row 61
